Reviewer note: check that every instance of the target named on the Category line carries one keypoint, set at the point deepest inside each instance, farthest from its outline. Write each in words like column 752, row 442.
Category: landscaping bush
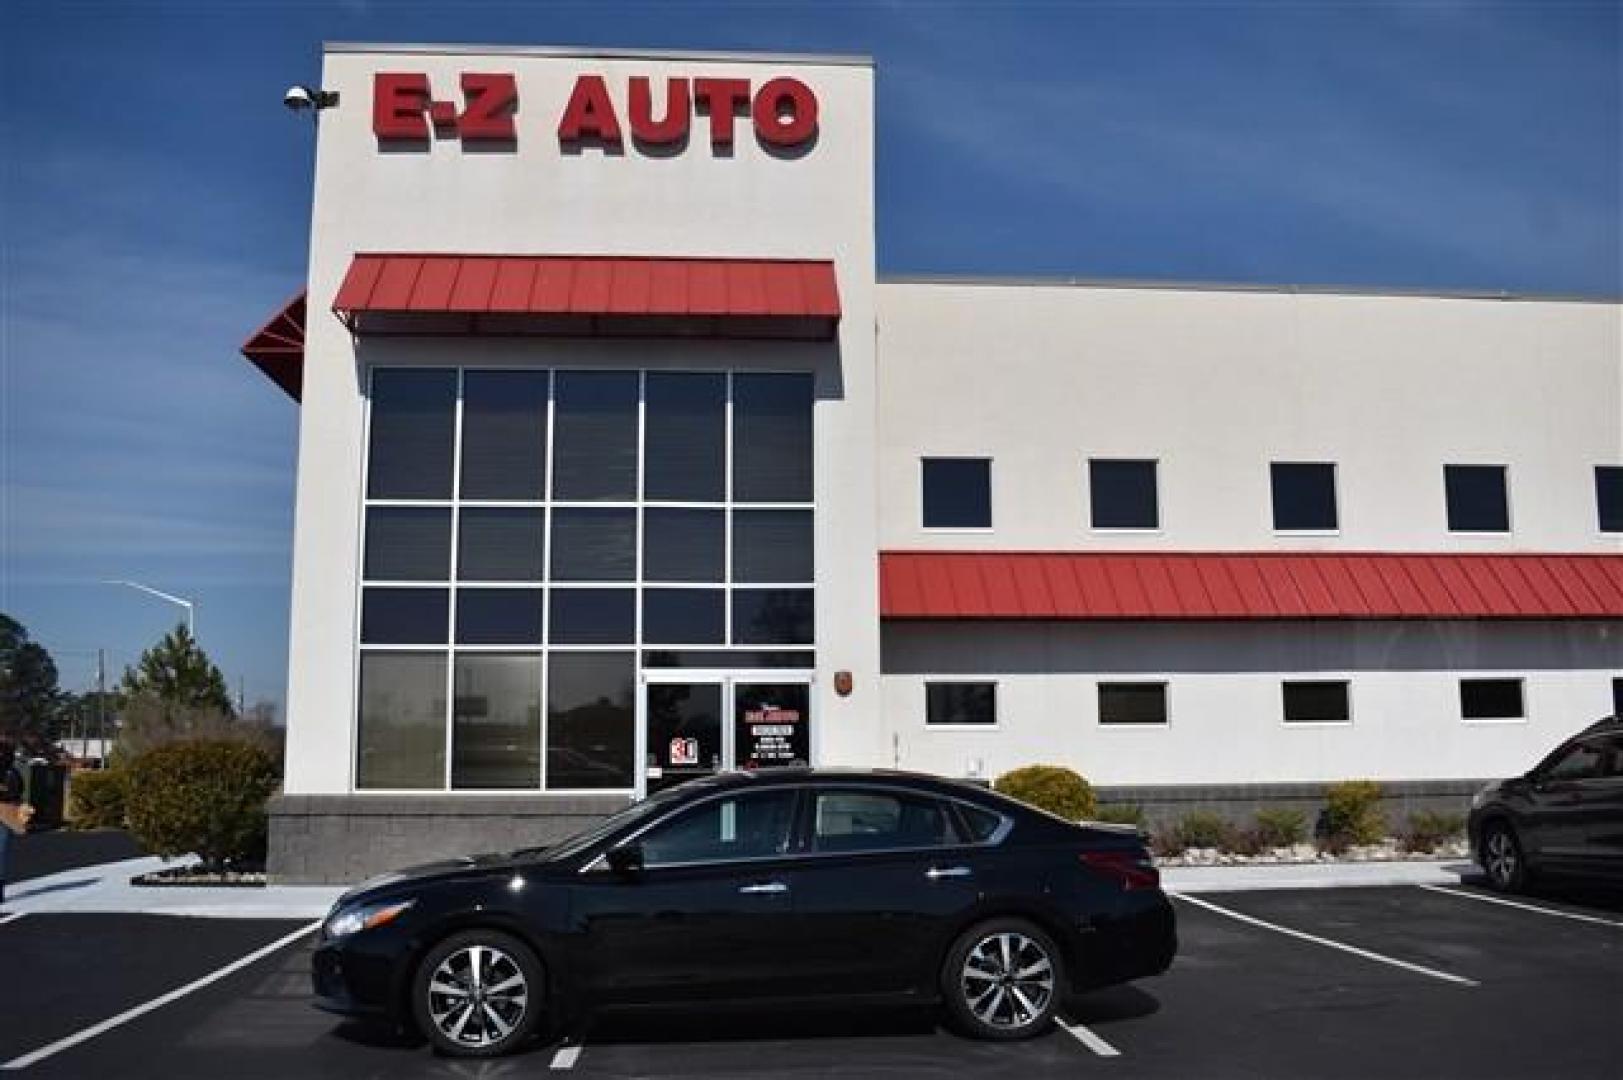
column 1050, row 787
column 1202, row 829
column 1279, row 826
column 1121, row 814
column 96, row 799
column 204, row 796
column 1353, row 813
column 1428, row 830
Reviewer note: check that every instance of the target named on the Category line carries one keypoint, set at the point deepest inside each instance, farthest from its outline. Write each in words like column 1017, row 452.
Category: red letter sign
column 723, row 96
column 785, row 112
column 589, row 114
column 491, row 100
column 398, row 102
column 672, row 129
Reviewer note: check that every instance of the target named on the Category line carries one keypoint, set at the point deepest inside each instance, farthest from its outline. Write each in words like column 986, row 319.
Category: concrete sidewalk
column 1199, row 879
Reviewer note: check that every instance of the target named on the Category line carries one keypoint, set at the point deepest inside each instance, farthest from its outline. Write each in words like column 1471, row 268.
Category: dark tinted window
column 594, row 545
column 772, row 724
column 957, row 493
column 404, row 616
column 876, row 821
column 504, row 434
column 1476, row 498
column 960, row 703
column 412, row 427
column 1609, row 497
column 401, row 736
column 500, row 544
column 1588, row 760
column 1491, row 699
column 982, row 824
column 1316, row 702
column 752, row 826
column 772, row 438
column 685, row 441
column 772, row 546
column 772, row 617
column 683, row 545
column 1304, row 495
column 496, row 722
column 727, row 658
column 408, row 543
column 1617, row 697
column 596, row 441
column 684, row 616
column 1132, row 703
column 592, row 616
column 498, row 616
column 591, row 720
column 1121, row 495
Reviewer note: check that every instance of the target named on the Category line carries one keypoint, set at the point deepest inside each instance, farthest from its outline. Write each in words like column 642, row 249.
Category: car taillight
column 1131, row 869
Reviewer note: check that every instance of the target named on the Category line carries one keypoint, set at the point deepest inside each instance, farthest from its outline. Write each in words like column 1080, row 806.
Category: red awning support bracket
column 277, row 348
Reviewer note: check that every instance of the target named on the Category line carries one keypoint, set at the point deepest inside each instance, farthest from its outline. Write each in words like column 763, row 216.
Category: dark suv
column 1565, row 816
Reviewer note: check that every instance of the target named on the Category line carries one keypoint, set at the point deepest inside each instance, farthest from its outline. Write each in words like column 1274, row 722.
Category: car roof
column 802, row 776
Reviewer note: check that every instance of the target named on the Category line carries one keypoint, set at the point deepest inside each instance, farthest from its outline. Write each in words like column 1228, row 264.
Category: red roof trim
column 277, row 348
column 1248, row 585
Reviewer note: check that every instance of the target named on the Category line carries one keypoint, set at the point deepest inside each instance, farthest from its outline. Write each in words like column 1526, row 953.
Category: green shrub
column 204, row 797
column 1353, row 813
column 96, row 799
column 1279, row 826
column 1050, row 787
column 1203, row 829
column 1121, row 814
column 1428, row 830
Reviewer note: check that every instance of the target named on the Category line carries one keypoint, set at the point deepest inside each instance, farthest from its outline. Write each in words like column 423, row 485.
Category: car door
column 709, row 913
column 1560, row 802
column 1604, row 811
column 885, row 872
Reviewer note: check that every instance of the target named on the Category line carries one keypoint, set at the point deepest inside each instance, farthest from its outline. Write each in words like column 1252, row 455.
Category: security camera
column 300, row 98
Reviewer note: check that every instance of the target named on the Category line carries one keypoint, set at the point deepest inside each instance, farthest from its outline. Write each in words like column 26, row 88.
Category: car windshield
column 615, row 821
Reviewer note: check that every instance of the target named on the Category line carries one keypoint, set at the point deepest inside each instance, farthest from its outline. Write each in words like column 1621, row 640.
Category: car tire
column 1503, row 859
column 1003, row 979
column 487, row 1015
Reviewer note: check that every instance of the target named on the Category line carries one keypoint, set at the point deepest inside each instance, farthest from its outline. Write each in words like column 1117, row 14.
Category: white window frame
column 1160, row 527
column 1345, row 679
column 1461, row 678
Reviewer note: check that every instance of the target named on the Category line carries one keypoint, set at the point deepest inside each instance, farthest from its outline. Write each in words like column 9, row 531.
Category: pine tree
column 178, row 674
column 29, row 695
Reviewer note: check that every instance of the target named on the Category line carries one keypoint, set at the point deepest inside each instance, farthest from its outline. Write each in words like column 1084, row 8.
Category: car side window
column 853, row 821
column 982, row 824
column 1585, row 761
column 1614, row 769
column 753, row 826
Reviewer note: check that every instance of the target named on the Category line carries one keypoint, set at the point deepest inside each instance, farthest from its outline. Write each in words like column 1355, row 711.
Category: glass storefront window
column 404, row 616
column 595, row 454
column 685, row 443
column 407, row 543
column 498, row 616
column 684, row 616
column 413, row 424
column 593, row 617
column 592, row 544
column 591, row 720
column 772, row 546
column 496, row 722
column 504, row 435
column 401, row 741
column 500, row 544
column 683, row 545
column 772, row 616
column 772, row 438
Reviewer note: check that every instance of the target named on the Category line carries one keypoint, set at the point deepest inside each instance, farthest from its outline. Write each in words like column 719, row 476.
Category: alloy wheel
column 477, row 996
column 1502, row 857
column 1007, row 980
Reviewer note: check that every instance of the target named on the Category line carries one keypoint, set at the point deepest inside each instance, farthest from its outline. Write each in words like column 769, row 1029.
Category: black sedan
column 1564, row 816
column 775, row 886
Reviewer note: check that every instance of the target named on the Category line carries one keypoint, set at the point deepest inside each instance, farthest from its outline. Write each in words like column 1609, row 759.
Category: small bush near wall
column 1279, row 826
column 1353, row 813
column 1428, row 830
column 1121, row 814
column 204, row 796
column 96, row 799
column 1050, row 787
column 1198, row 829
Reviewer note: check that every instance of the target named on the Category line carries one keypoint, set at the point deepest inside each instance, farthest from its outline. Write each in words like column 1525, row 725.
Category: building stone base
column 1165, row 804
column 343, row 839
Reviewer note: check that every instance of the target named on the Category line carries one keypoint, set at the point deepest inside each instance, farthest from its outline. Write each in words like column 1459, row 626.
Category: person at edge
column 11, row 793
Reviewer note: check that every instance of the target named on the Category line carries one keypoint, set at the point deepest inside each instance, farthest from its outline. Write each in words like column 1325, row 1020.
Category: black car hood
column 462, row 866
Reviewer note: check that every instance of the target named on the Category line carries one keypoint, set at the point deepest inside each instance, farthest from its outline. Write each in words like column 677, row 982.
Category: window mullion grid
column 450, row 607
column 638, row 525
column 727, row 516
column 546, row 569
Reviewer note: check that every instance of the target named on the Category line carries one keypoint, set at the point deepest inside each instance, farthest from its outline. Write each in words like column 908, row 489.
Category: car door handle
column 764, row 887
column 936, row 873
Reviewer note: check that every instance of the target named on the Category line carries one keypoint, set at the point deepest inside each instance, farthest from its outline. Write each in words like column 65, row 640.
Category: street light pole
column 191, row 623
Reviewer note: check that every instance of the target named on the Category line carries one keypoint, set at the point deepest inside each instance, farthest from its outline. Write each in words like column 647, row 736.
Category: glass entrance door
column 685, row 733
column 698, row 725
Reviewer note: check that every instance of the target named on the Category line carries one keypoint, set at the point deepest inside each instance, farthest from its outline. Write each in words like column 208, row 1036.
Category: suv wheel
column 1502, row 857
column 478, row 994
column 1003, row 980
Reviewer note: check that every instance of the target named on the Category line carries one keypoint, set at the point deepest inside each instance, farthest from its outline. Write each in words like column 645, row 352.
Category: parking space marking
column 1327, row 942
column 566, row 1056
column 156, row 1003
column 13, row 917
column 1463, row 894
column 1089, row 1038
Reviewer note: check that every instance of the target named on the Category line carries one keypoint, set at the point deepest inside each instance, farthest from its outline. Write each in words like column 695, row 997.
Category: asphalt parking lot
column 1402, row 982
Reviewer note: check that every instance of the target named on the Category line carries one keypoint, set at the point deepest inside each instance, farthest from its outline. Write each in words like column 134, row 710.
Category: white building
column 619, row 463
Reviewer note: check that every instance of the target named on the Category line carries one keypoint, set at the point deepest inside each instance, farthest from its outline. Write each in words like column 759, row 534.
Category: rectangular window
column 1617, row 697
column 1317, row 701
column 1609, row 497
column 413, row 426
column 685, row 444
column 957, row 493
column 1122, row 494
column 592, row 617
column 1477, row 500
column 772, row 617
column 498, row 616
column 500, row 544
column 408, row 543
column 401, row 737
column 960, row 703
column 591, row 544
column 496, row 722
column 772, row 546
column 683, row 545
column 1491, row 699
column 1132, row 703
column 684, row 616
column 595, row 451
column 591, row 720
column 772, row 438
column 405, row 616
column 869, row 821
column 504, row 435
column 1304, row 495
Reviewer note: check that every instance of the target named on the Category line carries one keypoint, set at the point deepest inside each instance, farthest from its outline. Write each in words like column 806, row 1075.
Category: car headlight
column 352, row 920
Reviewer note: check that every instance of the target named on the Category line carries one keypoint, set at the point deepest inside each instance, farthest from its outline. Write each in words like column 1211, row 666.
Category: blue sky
column 156, row 194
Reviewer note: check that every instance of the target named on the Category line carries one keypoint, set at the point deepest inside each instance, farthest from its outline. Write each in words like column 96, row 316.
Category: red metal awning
column 589, row 295
column 1250, row 585
column 277, row 348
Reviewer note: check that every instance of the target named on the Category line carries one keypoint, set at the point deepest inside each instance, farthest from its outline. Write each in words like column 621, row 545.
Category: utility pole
column 101, row 705
column 242, row 707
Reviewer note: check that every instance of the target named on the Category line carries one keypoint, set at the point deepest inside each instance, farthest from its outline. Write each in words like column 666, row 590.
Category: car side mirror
column 625, row 860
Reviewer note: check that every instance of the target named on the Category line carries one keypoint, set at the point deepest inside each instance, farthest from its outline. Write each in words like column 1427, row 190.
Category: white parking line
column 156, row 1003
column 1523, row 906
column 1327, row 943
column 13, row 917
column 1089, row 1038
column 566, row 1056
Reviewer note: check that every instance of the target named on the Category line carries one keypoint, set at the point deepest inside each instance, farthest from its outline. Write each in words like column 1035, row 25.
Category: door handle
column 936, row 873
column 764, row 887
